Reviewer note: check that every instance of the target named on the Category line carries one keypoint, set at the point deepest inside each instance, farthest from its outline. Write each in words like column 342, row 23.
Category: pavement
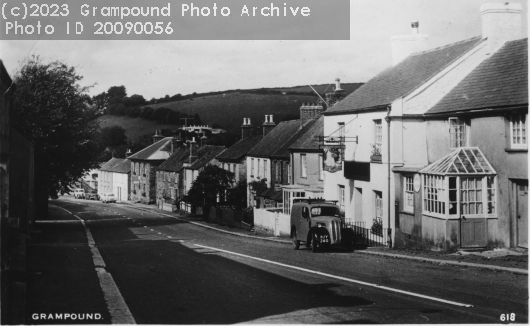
column 498, row 259
column 63, row 286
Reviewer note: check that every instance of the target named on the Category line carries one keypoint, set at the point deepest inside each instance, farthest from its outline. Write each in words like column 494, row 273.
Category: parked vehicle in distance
column 79, row 193
column 318, row 223
column 91, row 195
column 108, row 198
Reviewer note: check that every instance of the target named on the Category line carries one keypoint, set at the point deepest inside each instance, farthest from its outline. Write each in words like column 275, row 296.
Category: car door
column 304, row 223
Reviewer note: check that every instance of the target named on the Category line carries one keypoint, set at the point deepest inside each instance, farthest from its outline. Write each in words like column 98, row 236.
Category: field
column 134, row 127
column 227, row 109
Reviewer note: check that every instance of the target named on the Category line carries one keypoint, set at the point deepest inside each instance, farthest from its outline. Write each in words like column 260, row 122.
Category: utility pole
column 185, row 125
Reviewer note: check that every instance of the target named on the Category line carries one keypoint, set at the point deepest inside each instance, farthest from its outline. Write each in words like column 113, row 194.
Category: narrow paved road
column 174, row 272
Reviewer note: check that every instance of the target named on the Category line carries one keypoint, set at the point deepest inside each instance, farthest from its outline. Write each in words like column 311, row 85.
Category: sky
column 159, row 68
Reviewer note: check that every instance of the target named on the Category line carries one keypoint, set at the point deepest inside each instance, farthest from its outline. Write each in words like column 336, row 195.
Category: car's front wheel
column 314, row 242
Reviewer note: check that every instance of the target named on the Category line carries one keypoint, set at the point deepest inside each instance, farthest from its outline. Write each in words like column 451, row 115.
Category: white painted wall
column 433, row 90
column 362, row 126
column 105, row 181
column 120, row 180
column 272, row 221
column 254, row 177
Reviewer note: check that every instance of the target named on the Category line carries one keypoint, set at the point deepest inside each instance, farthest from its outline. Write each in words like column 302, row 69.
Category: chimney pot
column 405, row 45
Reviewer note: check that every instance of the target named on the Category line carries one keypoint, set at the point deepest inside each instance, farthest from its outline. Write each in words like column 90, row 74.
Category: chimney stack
column 337, row 85
column 310, row 111
column 157, row 136
column 334, row 97
column 174, row 144
column 246, row 128
column 501, row 22
column 128, row 153
column 203, row 139
column 405, row 45
column 268, row 125
column 193, row 151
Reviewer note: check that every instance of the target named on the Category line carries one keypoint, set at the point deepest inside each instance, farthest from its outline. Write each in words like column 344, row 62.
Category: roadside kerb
column 421, row 259
column 118, row 309
column 448, row 262
column 214, row 228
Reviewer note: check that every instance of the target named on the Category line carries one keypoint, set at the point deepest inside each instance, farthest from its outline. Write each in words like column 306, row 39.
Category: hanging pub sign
column 333, row 157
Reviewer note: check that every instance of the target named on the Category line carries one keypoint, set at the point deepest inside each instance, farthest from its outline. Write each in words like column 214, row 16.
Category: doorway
column 521, row 212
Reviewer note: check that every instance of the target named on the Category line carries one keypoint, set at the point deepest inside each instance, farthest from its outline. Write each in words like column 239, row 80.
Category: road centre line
column 341, row 278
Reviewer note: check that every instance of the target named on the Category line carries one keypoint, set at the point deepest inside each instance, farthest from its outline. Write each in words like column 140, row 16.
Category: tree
column 116, row 94
column 134, row 100
column 113, row 136
column 100, row 102
column 49, row 109
column 237, row 195
column 211, row 182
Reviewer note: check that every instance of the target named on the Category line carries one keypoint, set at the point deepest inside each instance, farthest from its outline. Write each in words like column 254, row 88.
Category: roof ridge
column 442, row 47
column 160, row 141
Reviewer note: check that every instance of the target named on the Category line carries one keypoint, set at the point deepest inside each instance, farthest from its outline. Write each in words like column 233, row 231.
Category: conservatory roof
column 465, row 160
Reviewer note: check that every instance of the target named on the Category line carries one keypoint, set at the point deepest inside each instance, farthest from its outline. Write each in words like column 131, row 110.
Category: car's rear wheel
column 314, row 242
column 296, row 242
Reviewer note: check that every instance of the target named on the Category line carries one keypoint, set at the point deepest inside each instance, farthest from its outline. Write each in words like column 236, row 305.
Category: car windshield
column 325, row 211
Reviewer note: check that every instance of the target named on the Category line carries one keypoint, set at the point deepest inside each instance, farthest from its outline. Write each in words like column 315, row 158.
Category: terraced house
column 174, row 177
column 419, row 163
column 269, row 160
column 234, row 158
column 143, row 168
column 115, row 178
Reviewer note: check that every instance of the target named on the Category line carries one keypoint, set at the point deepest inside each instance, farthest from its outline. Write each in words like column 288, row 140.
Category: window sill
column 407, row 213
column 516, row 150
column 376, row 162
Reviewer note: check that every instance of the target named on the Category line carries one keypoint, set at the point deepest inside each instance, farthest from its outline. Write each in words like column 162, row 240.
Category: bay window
column 461, row 183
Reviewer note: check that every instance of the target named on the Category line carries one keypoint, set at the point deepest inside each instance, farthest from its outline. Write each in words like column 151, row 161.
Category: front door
column 522, row 214
column 473, row 232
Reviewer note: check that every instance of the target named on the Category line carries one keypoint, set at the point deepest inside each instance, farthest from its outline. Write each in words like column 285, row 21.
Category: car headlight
column 321, row 225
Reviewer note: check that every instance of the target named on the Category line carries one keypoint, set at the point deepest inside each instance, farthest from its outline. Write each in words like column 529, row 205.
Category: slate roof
column 238, row 150
column 117, row 165
column 279, row 139
column 157, row 151
column 205, row 154
column 177, row 161
column 283, row 151
column 403, row 78
column 499, row 81
column 309, row 140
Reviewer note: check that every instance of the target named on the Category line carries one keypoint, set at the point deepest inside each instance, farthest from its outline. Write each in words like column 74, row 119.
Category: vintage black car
column 319, row 224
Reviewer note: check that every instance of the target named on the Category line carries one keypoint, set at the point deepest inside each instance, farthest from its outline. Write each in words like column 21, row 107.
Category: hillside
column 228, row 109
column 134, row 127
column 347, row 87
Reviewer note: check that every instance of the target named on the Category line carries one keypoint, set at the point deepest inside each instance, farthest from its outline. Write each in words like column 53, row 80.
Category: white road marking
column 118, row 309
column 56, row 221
column 341, row 278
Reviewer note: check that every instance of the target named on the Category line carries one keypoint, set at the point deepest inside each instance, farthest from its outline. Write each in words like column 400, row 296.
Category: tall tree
column 50, row 110
column 211, row 182
column 116, row 94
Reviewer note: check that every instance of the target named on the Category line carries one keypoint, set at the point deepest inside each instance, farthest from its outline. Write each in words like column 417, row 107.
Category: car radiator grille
column 335, row 232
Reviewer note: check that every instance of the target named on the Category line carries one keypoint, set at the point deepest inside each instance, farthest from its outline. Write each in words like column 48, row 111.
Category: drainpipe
column 387, row 119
